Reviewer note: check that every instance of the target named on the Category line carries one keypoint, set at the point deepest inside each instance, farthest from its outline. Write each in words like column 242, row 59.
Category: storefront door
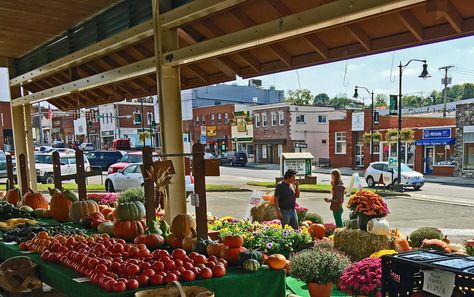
column 359, row 155
column 429, row 152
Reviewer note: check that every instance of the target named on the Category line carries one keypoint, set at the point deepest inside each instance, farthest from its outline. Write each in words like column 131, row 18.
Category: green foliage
column 420, row 234
column 300, row 97
column 320, row 265
column 132, row 194
column 321, row 99
column 313, row 217
column 454, row 93
column 381, row 100
column 341, row 102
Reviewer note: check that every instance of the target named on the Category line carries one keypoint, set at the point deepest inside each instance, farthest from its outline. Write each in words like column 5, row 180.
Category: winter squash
column 189, row 241
column 216, row 249
column 250, row 254
column 200, row 246
column 232, row 254
column 13, row 196
column 129, row 211
column 317, row 231
column 107, row 211
column 59, row 206
column 251, row 265
column 106, row 227
column 182, row 224
column 174, row 241
column 35, row 200
column 152, row 241
column 128, row 230
column 83, row 208
column 233, row 241
column 276, row 261
column 378, row 226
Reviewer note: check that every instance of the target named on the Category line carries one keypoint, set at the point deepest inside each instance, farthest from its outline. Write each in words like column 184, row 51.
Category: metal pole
column 399, row 142
column 372, row 129
column 143, row 122
column 445, row 91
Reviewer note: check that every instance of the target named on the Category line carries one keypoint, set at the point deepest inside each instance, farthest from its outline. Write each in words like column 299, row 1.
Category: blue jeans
column 289, row 217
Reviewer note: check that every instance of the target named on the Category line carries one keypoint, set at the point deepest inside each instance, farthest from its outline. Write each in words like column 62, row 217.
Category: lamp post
column 356, row 95
column 424, row 74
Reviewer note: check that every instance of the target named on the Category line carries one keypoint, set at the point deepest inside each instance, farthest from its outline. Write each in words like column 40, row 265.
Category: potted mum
column 319, row 267
column 362, row 278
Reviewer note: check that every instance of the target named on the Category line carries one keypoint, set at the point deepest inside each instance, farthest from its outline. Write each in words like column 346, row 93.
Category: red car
column 132, row 157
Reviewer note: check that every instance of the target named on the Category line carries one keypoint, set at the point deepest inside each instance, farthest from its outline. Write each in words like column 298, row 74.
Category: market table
column 265, row 282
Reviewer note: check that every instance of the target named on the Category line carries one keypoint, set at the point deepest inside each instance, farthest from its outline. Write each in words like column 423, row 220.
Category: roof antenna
column 345, row 82
column 391, row 69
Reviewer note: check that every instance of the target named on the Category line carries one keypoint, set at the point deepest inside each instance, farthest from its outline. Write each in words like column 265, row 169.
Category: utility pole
column 445, row 82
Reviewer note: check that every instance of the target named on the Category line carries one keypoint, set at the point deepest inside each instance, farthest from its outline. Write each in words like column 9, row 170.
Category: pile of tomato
column 117, row 266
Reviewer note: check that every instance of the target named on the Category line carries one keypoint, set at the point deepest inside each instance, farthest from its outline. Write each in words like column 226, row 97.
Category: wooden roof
column 338, row 32
column 27, row 24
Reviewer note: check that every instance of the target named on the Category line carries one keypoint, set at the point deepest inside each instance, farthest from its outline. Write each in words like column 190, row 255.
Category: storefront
column 438, row 151
column 464, row 147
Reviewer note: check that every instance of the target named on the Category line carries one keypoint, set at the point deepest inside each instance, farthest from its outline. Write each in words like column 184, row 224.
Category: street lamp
column 424, row 74
column 356, row 95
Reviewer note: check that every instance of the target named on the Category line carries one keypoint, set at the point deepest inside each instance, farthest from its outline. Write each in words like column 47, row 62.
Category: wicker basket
column 19, row 274
column 178, row 291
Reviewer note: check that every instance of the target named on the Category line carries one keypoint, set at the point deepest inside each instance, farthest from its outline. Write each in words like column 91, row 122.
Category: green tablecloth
column 265, row 282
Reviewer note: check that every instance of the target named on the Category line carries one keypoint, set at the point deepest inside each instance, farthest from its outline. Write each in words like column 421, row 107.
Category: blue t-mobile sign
column 436, row 133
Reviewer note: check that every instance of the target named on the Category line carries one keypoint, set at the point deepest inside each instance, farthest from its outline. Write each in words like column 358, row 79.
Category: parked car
column 234, row 158
column 104, row 158
column 86, row 146
column 410, row 178
column 44, row 166
column 3, row 164
column 131, row 176
column 131, row 157
column 121, row 144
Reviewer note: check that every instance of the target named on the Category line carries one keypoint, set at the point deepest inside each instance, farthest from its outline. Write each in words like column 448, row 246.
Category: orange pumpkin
column 13, row 196
column 317, row 231
column 231, row 254
column 102, row 207
column 216, row 249
column 128, row 230
column 152, row 241
column 233, row 241
column 174, row 241
column 35, row 200
column 270, row 198
column 276, row 261
column 59, row 206
column 106, row 211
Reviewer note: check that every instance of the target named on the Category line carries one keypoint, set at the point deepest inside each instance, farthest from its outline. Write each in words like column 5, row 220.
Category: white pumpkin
column 378, row 226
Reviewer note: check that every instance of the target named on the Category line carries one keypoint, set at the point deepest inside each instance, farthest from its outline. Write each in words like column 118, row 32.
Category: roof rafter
column 449, row 12
column 317, row 45
column 360, row 35
column 281, row 53
column 412, row 24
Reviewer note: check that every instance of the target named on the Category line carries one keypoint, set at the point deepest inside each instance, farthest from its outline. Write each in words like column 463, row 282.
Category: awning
column 440, row 141
column 269, row 141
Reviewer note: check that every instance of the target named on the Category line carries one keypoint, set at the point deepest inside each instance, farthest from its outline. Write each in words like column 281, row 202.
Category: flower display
column 362, row 278
column 435, row 244
column 330, row 227
column 300, row 212
column 381, row 253
column 469, row 247
column 368, row 203
column 103, row 198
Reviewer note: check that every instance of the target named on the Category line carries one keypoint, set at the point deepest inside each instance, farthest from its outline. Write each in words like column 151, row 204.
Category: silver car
column 379, row 173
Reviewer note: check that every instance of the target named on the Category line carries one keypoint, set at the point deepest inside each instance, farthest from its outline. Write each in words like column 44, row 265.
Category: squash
column 378, row 226
column 26, row 208
column 174, row 241
column 13, row 196
column 128, row 230
column 107, row 211
column 42, row 213
column 59, row 205
column 189, row 241
column 182, row 225
column 83, row 208
column 70, row 195
column 106, row 227
column 276, row 261
column 216, row 249
column 152, row 241
column 317, row 231
column 130, row 211
column 200, row 246
column 251, row 265
column 232, row 254
column 233, row 241
column 250, row 254
column 402, row 245
column 35, row 200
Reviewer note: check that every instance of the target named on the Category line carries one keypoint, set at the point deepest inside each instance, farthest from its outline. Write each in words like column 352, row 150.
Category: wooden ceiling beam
column 412, row 24
column 360, row 35
column 317, row 45
column 280, row 7
column 241, row 17
column 450, row 13
column 281, row 53
column 199, row 72
column 248, row 58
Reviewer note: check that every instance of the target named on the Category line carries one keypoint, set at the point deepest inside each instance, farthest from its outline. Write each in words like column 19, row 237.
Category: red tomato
column 200, row 259
column 181, row 269
column 205, row 273
column 158, row 266
column 92, row 262
column 144, row 253
column 196, row 270
column 163, row 253
column 218, row 271
column 148, row 272
column 115, row 266
column 178, row 262
column 141, row 246
column 223, row 261
column 157, row 280
column 132, row 284
column 133, row 251
column 212, row 258
column 101, row 268
column 211, row 264
column 143, row 280
column 121, row 241
column 192, row 255
column 188, row 276
column 119, row 287
column 109, row 285
column 144, row 266
column 169, row 265
column 170, row 277
column 117, row 248
column 179, row 254
column 132, row 269
column 187, row 265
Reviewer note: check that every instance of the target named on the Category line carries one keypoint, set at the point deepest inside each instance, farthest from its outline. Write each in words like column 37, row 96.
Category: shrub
column 313, row 217
column 132, row 194
column 420, row 234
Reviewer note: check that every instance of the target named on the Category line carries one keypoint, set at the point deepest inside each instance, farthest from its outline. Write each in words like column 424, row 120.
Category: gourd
column 35, row 200
column 215, row 249
column 60, row 205
column 129, row 211
column 128, row 230
column 251, row 265
column 174, row 241
column 189, row 241
column 276, row 261
column 106, row 227
column 200, row 246
column 232, row 254
column 317, row 231
column 13, row 196
column 182, row 225
column 152, row 241
column 378, row 226
column 233, row 241
column 83, row 208
column 250, row 254
column 42, row 213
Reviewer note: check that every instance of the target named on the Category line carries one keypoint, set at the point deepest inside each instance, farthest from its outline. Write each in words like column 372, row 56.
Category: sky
column 378, row 72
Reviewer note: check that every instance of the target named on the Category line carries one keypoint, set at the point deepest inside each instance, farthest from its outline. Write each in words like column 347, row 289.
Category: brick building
column 465, row 140
column 63, row 127
column 432, row 151
column 6, row 132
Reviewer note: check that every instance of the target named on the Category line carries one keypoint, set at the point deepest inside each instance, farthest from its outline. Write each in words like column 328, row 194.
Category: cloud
column 394, row 72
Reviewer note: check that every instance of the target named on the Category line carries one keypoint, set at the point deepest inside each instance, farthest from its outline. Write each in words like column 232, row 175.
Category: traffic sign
column 392, row 162
column 203, row 139
column 301, row 145
column 203, row 130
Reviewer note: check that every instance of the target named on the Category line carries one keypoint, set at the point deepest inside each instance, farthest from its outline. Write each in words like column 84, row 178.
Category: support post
column 30, row 148
column 10, row 179
column 19, row 135
column 23, row 175
column 149, row 187
column 57, row 171
column 81, row 175
column 199, row 173
column 168, row 86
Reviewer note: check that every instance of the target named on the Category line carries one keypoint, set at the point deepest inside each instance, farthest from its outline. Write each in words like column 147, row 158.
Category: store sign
column 358, row 121
column 241, row 125
column 301, row 166
column 211, row 131
column 438, row 282
column 436, row 133
column 255, row 199
column 301, row 145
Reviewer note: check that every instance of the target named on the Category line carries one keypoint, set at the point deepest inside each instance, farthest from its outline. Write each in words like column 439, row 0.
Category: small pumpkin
column 83, row 208
column 276, row 261
column 200, row 246
column 107, row 211
column 182, row 225
column 251, row 265
column 216, row 249
column 189, row 241
column 250, row 254
column 152, row 241
column 42, row 213
column 106, row 227
column 233, row 241
column 402, row 245
column 317, row 231
column 35, row 200
column 128, row 230
column 13, row 196
column 59, row 205
column 174, row 241
column 231, row 254
column 129, row 211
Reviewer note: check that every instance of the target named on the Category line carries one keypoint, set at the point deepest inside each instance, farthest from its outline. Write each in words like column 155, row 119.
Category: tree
column 341, row 102
column 321, row 99
column 381, row 100
column 468, row 91
column 300, row 97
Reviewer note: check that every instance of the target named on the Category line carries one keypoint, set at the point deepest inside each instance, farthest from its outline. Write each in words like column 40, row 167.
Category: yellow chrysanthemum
column 383, row 253
column 226, row 218
column 331, row 237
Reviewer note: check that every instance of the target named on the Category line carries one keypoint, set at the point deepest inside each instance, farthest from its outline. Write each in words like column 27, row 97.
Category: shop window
column 219, row 118
column 468, row 156
column 226, row 118
column 257, row 120
column 203, row 120
column 300, row 119
column 197, row 120
column 274, row 119
column 322, row 119
column 444, row 155
column 323, row 141
column 281, row 118
column 264, row 119
column 213, row 119
column 341, row 142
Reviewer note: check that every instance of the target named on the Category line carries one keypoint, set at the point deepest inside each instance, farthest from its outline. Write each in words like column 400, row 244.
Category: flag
column 50, row 113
